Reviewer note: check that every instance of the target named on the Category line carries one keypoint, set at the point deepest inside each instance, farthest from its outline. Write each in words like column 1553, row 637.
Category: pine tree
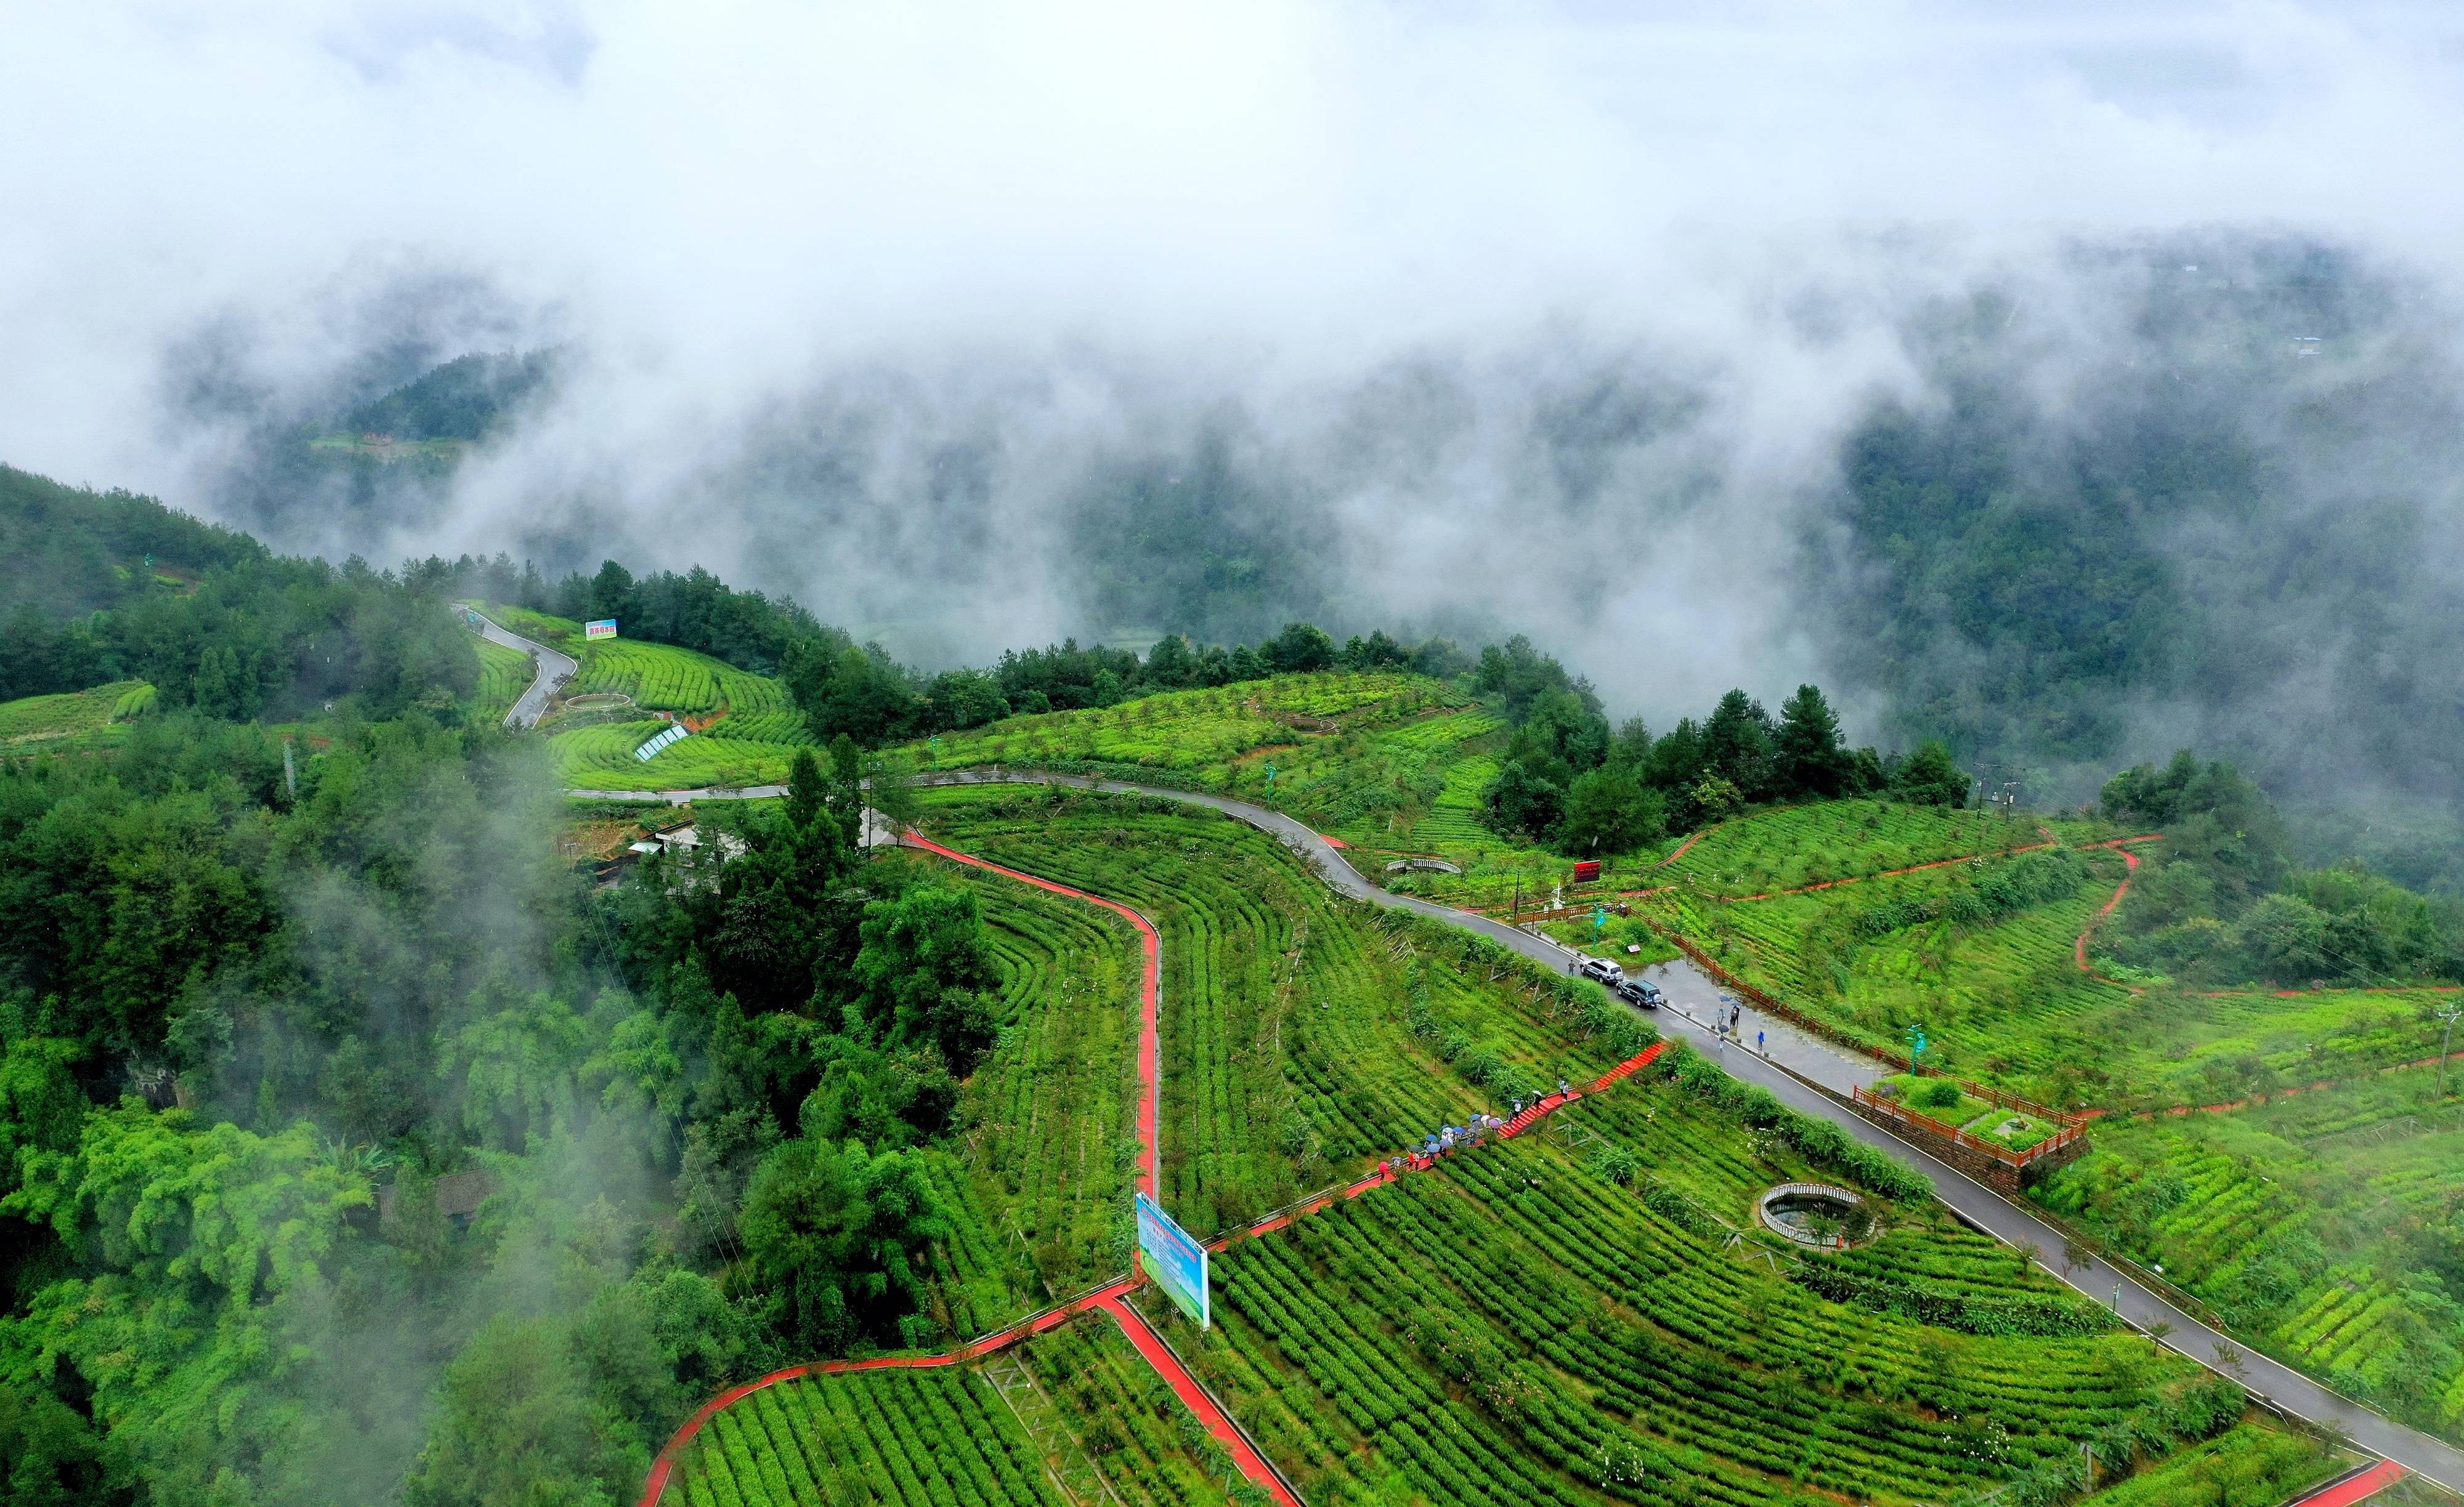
column 1806, row 748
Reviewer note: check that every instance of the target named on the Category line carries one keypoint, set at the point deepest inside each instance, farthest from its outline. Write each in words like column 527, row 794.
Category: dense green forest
column 353, row 1146
column 1567, row 779
column 2223, row 531
column 466, row 399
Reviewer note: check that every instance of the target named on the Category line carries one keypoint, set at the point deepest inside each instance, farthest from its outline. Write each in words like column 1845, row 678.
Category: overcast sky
column 725, row 207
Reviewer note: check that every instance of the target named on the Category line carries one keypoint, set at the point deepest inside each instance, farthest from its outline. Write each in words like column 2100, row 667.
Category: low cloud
column 1474, row 318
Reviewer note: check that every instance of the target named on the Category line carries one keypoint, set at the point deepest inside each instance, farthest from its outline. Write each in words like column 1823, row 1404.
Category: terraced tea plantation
column 94, row 716
column 504, row 674
column 917, row 1438
column 1585, row 1315
column 1518, row 1326
column 2255, row 1465
column 664, row 678
column 1998, row 995
column 1123, row 1433
column 1835, row 840
column 1037, row 1184
column 2306, row 1224
column 1304, row 1035
column 746, row 728
column 601, row 757
column 1368, row 755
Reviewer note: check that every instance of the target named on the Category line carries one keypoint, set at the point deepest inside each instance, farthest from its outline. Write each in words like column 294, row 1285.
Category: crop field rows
column 665, row 678
column 505, row 673
column 2000, row 1001
column 32, row 721
column 1189, row 732
column 914, row 1438
column 1839, row 840
column 1373, row 786
column 2248, row 1466
column 1516, row 1328
column 601, row 757
column 2299, row 1221
column 1046, row 1150
column 558, row 633
column 1288, row 1057
column 1513, row 1326
column 1148, row 1449
column 2257, row 1040
column 1454, row 817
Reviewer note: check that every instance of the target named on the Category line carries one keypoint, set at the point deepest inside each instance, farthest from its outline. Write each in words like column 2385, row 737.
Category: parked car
column 1600, row 969
column 1635, row 991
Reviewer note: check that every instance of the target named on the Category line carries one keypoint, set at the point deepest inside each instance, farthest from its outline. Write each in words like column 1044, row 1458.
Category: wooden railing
column 1900, row 1114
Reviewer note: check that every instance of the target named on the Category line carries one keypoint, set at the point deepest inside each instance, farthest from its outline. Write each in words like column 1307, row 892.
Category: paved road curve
column 1797, row 1067
column 550, row 669
column 1795, row 1062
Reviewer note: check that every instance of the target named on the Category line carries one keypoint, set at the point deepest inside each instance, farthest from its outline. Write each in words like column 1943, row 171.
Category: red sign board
column 1587, row 870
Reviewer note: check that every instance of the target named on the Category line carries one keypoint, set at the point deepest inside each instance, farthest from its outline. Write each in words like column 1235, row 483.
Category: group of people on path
column 1731, row 1023
column 1446, row 1140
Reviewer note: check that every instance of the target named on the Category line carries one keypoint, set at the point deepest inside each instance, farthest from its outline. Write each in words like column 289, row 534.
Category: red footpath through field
column 1199, row 1400
column 1108, row 1297
column 1150, row 996
column 2344, row 1491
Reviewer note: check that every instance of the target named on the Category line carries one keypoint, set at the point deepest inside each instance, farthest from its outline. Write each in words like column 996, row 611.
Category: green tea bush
column 1819, row 1139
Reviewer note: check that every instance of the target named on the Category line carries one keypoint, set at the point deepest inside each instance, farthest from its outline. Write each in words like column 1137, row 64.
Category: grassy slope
column 90, row 716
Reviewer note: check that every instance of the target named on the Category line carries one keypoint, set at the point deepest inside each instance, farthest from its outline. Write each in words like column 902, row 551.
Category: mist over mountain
column 2072, row 390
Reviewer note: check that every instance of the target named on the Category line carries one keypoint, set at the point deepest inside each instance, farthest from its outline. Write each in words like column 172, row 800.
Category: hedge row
column 2031, row 881
column 2044, row 1317
column 1819, row 1141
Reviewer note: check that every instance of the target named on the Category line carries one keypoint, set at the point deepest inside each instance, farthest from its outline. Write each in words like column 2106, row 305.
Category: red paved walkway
column 2351, row 1489
column 1197, row 1399
column 1150, row 996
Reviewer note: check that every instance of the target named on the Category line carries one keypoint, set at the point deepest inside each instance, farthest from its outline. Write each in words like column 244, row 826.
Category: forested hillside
column 2220, row 539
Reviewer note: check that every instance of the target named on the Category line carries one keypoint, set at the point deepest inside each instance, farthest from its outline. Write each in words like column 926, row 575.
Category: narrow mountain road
column 1812, row 1075
column 551, row 668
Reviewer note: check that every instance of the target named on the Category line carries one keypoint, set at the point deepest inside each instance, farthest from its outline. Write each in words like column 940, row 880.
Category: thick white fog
column 1549, row 318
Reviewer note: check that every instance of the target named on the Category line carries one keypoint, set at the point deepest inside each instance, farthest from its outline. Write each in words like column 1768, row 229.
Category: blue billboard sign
column 1175, row 1260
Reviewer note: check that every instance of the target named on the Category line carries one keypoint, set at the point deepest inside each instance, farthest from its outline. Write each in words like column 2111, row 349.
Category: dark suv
column 1635, row 991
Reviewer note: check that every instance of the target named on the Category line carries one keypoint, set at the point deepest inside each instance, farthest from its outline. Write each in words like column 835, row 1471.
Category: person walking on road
column 1758, row 1044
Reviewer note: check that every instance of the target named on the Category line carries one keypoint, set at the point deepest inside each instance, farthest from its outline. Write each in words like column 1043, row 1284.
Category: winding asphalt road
column 1812, row 1075
column 1797, row 1067
column 550, row 669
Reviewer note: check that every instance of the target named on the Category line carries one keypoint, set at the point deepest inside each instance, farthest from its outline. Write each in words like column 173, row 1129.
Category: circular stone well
column 1815, row 1214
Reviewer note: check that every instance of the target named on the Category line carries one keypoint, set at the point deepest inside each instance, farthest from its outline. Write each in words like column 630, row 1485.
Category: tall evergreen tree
column 1806, row 749
column 1737, row 745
